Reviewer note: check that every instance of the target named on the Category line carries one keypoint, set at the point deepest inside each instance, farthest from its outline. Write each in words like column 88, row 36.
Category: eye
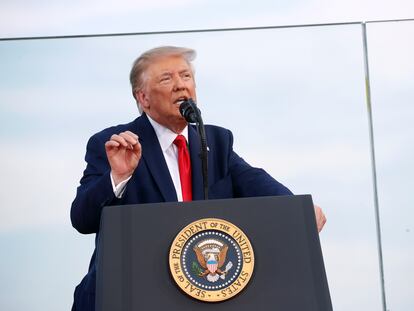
column 165, row 79
column 186, row 75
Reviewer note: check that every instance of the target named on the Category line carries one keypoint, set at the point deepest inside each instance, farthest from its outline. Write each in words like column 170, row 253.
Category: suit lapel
column 196, row 170
column 154, row 158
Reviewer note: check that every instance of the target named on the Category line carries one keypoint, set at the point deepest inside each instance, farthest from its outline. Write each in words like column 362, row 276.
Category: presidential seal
column 211, row 260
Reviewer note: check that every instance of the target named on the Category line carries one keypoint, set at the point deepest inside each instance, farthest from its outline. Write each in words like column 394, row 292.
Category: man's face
column 167, row 82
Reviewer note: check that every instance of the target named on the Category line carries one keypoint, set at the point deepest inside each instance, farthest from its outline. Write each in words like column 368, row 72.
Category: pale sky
column 34, row 17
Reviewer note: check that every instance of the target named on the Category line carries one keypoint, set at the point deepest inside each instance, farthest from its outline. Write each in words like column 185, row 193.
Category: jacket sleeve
column 95, row 190
column 250, row 181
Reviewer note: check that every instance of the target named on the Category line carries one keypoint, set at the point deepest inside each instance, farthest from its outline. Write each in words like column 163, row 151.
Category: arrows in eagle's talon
column 228, row 267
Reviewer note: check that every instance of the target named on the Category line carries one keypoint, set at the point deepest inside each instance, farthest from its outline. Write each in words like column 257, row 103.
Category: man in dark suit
column 155, row 157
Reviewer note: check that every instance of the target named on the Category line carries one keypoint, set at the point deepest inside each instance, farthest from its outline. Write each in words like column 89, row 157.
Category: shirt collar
column 165, row 136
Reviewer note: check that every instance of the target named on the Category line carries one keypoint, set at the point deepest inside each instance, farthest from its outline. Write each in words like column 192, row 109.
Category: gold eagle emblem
column 211, row 255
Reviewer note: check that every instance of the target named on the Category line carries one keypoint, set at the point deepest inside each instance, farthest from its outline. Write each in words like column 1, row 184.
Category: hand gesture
column 124, row 152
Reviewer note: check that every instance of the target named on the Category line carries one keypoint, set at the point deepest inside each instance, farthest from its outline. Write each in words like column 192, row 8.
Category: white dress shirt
column 166, row 139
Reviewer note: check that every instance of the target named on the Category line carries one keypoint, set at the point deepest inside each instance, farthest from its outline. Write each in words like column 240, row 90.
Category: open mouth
column 180, row 100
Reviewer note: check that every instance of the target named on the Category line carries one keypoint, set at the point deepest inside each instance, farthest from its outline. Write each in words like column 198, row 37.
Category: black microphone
column 187, row 110
column 192, row 114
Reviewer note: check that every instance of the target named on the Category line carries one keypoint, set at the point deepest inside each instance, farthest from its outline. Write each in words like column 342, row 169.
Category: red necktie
column 184, row 166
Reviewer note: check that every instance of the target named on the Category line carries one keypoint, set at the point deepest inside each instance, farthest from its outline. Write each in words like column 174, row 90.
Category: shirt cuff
column 119, row 189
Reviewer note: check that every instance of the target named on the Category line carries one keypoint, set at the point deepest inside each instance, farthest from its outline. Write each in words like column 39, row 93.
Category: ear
column 142, row 98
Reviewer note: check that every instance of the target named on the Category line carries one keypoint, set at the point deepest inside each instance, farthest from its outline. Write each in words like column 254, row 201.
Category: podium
column 133, row 271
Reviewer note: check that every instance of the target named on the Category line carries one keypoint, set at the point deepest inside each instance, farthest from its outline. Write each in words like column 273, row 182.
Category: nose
column 179, row 83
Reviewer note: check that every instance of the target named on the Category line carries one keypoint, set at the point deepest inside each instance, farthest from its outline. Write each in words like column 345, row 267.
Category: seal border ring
column 180, row 278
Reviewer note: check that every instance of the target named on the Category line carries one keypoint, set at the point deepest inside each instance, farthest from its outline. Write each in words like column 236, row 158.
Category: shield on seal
column 212, row 266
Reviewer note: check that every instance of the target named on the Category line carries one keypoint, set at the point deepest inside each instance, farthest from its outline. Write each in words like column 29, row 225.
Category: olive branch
column 196, row 269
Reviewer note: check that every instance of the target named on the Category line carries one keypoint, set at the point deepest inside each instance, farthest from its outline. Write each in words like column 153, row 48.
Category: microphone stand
column 203, row 140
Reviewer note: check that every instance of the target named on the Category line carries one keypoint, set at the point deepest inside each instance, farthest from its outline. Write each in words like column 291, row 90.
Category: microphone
column 192, row 114
column 188, row 111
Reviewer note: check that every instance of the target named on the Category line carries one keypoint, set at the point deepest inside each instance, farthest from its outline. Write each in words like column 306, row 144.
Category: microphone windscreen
column 187, row 110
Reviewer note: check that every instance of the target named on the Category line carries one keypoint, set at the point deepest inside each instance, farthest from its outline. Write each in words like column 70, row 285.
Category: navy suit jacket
column 229, row 177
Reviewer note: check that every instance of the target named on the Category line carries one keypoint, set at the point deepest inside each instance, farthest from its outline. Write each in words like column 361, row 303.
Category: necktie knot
column 180, row 141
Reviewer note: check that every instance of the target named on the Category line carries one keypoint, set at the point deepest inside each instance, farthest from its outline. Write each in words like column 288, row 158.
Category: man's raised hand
column 124, row 152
